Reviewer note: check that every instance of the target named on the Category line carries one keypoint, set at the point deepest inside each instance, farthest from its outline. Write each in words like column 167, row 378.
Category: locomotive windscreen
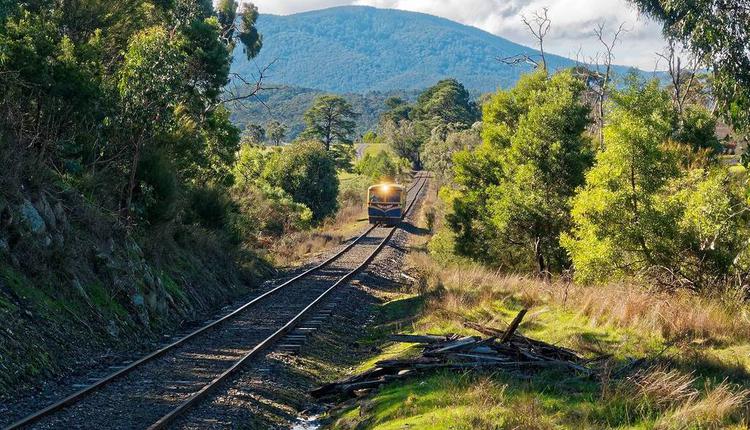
column 385, row 194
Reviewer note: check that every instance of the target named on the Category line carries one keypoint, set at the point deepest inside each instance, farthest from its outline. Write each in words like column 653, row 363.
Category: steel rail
column 207, row 389
column 80, row 394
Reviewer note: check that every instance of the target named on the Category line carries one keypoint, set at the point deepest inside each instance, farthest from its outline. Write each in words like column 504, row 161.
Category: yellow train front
column 386, row 204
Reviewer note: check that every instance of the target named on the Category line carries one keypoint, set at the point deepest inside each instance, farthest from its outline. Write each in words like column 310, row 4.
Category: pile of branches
column 500, row 350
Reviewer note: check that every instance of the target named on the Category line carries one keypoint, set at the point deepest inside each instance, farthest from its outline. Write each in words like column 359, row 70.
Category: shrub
column 307, row 172
column 380, row 166
column 159, row 188
column 266, row 211
column 209, row 207
column 251, row 160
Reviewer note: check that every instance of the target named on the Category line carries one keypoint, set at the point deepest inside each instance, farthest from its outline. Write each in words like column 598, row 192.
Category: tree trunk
column 133, row 171
column 541, row 264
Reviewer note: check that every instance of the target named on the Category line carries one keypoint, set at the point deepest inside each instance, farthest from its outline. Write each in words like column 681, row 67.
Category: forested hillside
column 382, row 50
column 287, row 105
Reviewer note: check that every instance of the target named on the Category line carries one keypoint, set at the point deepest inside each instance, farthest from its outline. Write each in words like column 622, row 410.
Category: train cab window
column 385, row 195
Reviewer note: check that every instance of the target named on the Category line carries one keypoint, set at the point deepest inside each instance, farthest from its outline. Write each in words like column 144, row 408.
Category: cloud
column 573, row 22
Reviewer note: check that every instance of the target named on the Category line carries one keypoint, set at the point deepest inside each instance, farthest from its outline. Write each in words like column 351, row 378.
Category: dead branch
column 539, row 26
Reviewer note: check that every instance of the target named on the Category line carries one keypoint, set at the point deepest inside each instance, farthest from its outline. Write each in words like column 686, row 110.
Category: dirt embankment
column 78, row 289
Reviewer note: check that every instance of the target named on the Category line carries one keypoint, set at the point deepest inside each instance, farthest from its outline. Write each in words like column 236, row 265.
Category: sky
column 571, row 34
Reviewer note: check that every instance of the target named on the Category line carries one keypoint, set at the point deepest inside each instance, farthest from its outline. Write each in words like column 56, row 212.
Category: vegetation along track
column 153, row 391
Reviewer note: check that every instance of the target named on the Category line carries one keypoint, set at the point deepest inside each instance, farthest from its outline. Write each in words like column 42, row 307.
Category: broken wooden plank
column 513, row 326
column 464, row 341
column 413, row 338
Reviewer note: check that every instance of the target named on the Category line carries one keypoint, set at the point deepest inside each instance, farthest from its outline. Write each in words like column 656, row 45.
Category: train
column 386, row 203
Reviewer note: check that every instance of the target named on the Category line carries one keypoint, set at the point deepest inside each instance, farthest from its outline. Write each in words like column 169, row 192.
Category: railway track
column 160, row 387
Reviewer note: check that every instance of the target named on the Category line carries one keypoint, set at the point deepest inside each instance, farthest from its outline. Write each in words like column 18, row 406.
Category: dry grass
column 679, row 316
column 293, row 248
column 719, row 405
column 661, row 388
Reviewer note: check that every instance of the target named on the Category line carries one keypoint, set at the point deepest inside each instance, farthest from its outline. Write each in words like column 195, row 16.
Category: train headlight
column 385, row 188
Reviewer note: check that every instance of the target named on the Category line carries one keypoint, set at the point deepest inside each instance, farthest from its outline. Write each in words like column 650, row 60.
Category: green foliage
column 398, row 110
column 378, row 167
column 641, row 214
column 443, row 107
column 263, row 210
column 698, row 130
column 714, row 224
column 444, row 143
column 289, row 104
column 251, row 39
column 307, row 172
column 370, row 137
column 149, row 79
column 254, row 134
column 343, row 156
column 330, row 120
column 446, row 102
column 517, row 186
column 160, row 188
column 276, row 132
column 109, row 84
column 620, row 226
column 259, row 207
column 209, row 207
column 715, row 32
column 251, row 162
column 404, row 139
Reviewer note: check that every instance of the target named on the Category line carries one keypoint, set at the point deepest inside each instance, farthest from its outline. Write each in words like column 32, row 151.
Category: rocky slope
column 76, row 283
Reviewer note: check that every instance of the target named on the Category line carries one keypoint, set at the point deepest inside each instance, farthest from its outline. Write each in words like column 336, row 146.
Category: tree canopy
column 514, row 191
column 307, row 171
column 330, row 120
column 716, row 32
column 94, row 86
column 446, row 102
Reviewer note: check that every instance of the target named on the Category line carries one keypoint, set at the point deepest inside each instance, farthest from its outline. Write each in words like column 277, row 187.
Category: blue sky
column 573, row 22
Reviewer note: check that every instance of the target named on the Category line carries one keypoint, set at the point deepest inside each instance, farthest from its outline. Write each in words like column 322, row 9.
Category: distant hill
column 288, row 104
column 357, row 49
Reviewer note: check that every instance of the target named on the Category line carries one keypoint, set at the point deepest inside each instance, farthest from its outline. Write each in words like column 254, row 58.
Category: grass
column 696, row 372
column 376, row 148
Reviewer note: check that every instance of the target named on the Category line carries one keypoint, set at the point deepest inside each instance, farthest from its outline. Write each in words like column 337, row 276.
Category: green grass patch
column 375, row 148
column 172, row 288
column 102, row 300
column 552, row 399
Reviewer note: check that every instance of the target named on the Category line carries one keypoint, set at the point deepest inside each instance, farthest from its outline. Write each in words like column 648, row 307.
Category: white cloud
column 573, row 22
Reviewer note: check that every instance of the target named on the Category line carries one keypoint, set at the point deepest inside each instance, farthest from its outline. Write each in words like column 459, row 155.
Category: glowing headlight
column 385, row 188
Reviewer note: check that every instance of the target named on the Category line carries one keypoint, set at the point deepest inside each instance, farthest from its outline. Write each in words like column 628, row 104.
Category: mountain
column 355, row 49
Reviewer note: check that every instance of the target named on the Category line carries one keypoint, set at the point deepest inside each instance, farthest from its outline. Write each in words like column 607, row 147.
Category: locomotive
column 386, row 203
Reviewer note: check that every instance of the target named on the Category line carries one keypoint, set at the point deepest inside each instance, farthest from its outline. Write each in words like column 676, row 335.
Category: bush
column 378, row 167
column 209, row 207
column 159, row 188
column 251, row 160
column 307, row 172
column 698, row 129
column 266, row 211
column 353, row 191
